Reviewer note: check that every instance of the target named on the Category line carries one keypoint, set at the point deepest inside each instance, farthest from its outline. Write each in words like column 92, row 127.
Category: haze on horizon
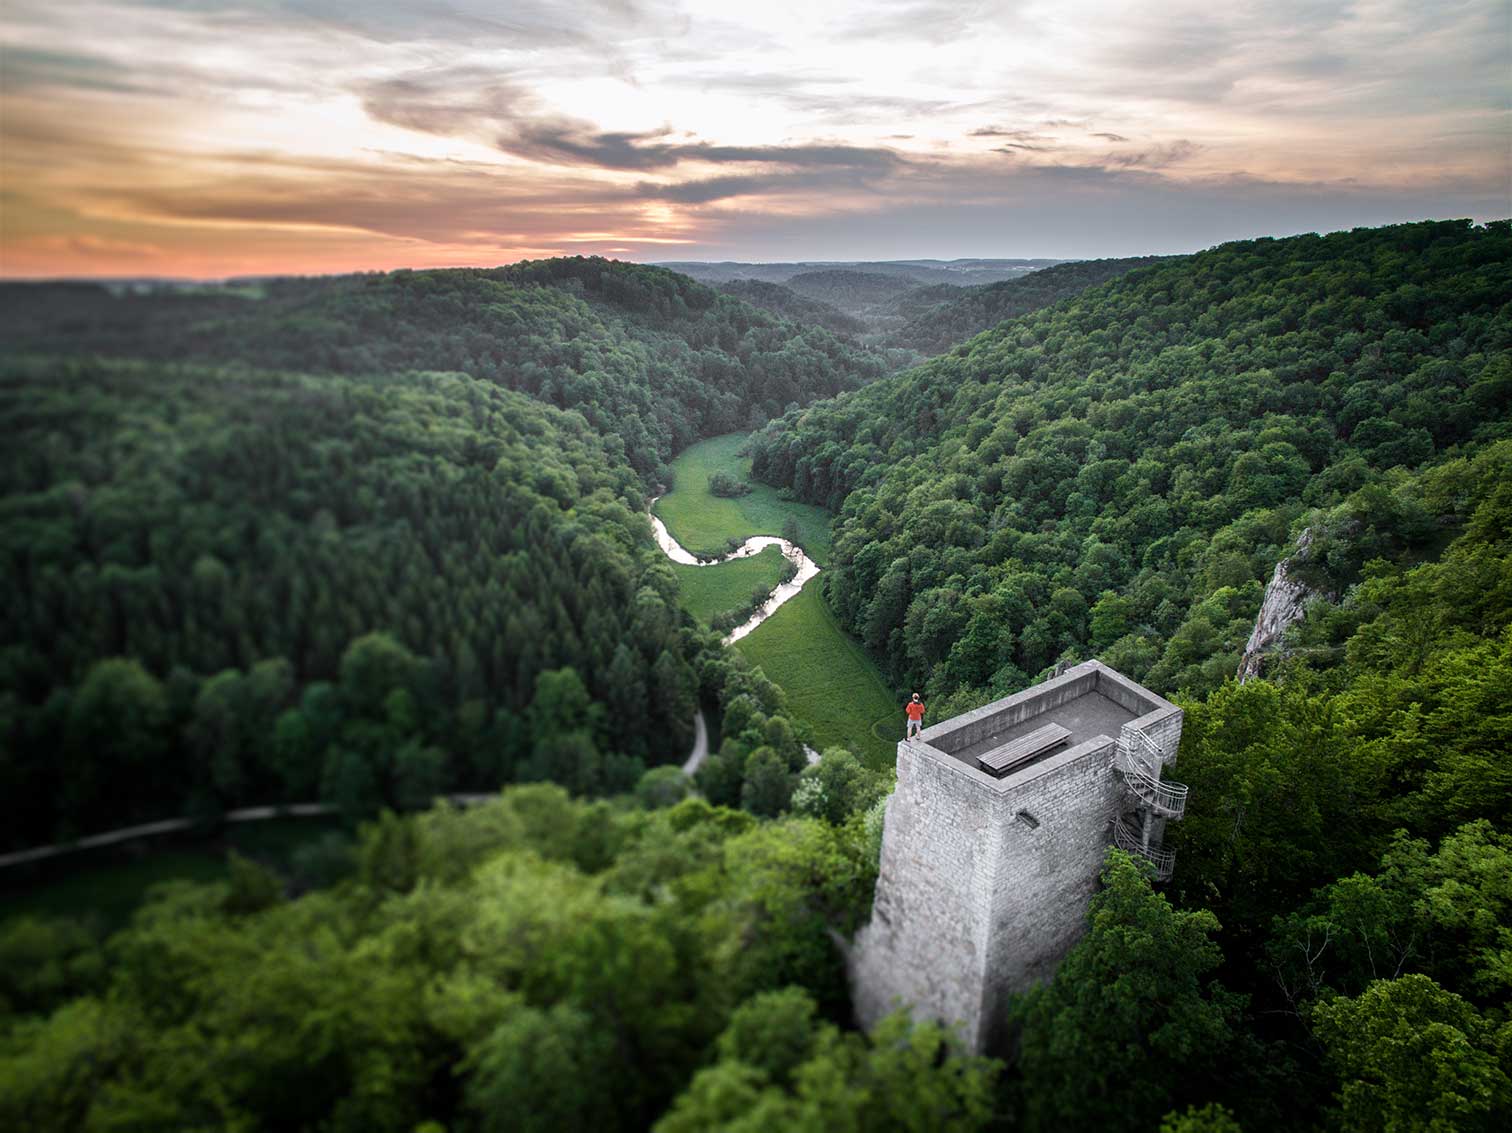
column 205, row 139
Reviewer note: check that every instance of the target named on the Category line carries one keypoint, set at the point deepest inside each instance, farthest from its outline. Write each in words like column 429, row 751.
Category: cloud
column 436, row 201
column 93, row 247
column 536, row 23
column 517, row 122
column 999, row 132
column 930, row 21
column 459, row 129
column 821, row 180
column 32, row 69
column 1156, row 157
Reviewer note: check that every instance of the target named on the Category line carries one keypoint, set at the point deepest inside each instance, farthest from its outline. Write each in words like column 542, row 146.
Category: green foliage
column 771, row 1033
column 250, row 887
column 231, row 588
column 648, row 357
column 1280, row 801
column 726, row 486
column 1211, row 1118
column 542, row 1070
column 662, row 787
column 1157, row 437
column 959, row 313
column 768, row 785
column 536, row 961
column 789, row 304
column 837, row 787
column 1411, row 1055
column 1447, row 914
column 45, row 961
column 778, row 1070
column 1131, row 1025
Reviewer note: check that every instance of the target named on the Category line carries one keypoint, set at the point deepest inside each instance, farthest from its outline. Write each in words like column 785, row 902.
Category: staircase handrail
column 1166, row 796
column 1129, row 842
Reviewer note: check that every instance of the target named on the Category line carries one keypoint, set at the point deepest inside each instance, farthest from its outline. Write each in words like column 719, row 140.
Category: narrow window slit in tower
column 1027, row 819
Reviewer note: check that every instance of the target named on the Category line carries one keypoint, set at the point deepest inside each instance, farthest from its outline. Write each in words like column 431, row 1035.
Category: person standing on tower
column 915, row 712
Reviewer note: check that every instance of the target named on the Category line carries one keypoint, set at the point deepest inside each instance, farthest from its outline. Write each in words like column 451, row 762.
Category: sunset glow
column 204, row 139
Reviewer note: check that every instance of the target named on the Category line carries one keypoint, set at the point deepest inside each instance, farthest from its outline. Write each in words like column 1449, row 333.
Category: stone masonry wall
column 1046, row 875
column 924, row 945
column 984, row 883
column 974, row 902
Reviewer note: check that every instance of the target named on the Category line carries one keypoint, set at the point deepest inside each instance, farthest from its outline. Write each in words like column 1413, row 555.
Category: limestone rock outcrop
column 1285, row 603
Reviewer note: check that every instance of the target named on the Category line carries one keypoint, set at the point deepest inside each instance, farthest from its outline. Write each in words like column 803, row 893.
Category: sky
column 207, row 139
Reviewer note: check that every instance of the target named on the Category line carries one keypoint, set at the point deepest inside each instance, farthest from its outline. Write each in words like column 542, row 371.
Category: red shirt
column 915, row 710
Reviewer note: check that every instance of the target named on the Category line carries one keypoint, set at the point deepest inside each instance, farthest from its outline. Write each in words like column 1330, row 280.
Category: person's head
column 916, row 696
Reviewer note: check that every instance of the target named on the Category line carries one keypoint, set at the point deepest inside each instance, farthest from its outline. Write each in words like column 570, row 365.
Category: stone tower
column 994, row 839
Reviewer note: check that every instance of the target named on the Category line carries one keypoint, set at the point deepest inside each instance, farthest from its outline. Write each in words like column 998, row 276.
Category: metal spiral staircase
column 1127, row 839
column 1153, row 796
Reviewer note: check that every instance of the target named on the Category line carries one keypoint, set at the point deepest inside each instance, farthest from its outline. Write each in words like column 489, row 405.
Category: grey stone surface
column 1284, row 605
column 1088, row 715
column 974, row 903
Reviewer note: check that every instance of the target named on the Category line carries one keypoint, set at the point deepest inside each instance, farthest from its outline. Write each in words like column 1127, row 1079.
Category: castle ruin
column 994, row 839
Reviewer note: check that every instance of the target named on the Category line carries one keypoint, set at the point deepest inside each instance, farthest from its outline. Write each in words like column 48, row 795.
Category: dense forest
column 854, row 292
column 790, row 304
column 1331, row 954
column 236, row 580
column 939, row 317
column 1117, row 474
column 923, row 273
column 231, row 587
column 650, row 356
column 908, row 321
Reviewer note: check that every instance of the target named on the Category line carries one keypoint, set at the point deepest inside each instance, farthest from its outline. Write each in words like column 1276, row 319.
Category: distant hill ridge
column 652, row 356
column 951, row 316
column 957, row 273
column 784, row 301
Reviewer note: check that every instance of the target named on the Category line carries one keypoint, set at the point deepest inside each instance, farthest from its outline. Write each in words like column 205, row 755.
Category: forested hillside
column 1116, row 475
column 940, row 317
column 1332, row 953
column 789, row 304
column 643, row 353
column 1113, row 476
column 229, row 586
column 857, row 293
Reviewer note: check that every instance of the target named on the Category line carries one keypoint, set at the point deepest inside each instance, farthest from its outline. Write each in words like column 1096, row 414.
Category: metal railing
column 1129, row 841
column 1142, row 774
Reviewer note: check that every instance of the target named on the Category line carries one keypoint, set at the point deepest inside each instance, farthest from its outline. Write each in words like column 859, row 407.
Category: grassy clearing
column 710, row 591
column 829, row 680
column 110, row 887
column 702, row 521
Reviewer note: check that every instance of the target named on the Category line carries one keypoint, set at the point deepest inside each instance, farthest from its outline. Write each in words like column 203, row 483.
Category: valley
column 378, row 540
column 829, row 681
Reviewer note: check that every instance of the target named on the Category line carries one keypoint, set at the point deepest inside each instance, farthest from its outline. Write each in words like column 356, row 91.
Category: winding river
column 793, row 553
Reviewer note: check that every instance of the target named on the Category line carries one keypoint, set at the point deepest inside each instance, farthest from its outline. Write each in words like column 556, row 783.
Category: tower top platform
column 1091, row 701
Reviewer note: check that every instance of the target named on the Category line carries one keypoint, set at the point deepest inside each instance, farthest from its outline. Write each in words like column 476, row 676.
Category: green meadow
column 703, row 522
column 710, row 591
column 829, row 680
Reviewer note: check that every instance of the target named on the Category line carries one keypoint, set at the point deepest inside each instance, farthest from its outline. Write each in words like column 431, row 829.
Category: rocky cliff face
column 1286, row 600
